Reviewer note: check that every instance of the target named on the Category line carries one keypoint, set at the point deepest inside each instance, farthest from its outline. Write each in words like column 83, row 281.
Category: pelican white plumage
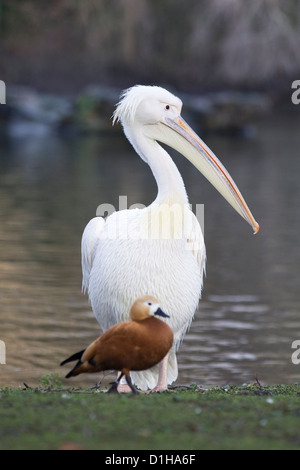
column 158, row 250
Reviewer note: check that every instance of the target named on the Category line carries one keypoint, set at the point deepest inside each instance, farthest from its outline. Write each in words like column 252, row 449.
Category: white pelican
column 158, row 250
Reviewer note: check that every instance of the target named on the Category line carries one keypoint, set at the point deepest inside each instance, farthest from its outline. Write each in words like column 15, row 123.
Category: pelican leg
column 114, row 385
column 162, row 384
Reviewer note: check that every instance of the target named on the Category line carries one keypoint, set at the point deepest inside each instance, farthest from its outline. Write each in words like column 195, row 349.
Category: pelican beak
column 189, row 144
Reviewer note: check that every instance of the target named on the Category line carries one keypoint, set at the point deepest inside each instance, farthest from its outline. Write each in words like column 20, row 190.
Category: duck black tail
column 75, row 357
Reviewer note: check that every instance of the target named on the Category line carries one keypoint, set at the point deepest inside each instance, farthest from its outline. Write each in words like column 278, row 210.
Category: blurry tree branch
column 201, row 43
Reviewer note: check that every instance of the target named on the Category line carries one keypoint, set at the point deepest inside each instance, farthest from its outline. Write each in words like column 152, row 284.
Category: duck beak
column 160, row 313
column 176, row 133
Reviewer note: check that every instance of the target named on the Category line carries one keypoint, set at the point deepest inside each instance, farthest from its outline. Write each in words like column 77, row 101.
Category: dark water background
column 249, row 316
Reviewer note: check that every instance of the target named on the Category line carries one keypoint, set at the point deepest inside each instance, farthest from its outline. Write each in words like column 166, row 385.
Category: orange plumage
column 128, row 346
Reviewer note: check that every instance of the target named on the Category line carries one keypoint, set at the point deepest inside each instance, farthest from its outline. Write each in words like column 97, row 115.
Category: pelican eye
column 167, row 107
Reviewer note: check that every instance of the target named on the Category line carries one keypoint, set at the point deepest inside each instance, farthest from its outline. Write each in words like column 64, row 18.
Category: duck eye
column 149, row 303
column 167, row 107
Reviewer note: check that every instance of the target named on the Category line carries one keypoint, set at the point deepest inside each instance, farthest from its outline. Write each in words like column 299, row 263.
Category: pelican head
column 154, row 113
column 145, row 307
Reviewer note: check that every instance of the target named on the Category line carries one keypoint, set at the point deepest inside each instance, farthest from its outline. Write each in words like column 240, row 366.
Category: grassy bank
column 247, row 417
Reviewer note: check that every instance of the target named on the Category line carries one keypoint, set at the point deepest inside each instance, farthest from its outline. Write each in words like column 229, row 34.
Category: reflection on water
column 249, row 316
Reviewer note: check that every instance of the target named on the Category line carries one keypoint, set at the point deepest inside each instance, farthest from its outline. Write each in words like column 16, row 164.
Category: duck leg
column 114, row 385
column 134, row 390
column 123, row 386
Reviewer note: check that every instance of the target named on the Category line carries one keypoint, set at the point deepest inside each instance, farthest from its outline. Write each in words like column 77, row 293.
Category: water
column 249, row 315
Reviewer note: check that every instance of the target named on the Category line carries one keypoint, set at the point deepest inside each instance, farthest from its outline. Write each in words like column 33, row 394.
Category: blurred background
column 232, row 62
column 203, row 44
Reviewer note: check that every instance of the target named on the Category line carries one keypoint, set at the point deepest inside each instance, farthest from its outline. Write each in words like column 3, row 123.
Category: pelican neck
column 169, row 181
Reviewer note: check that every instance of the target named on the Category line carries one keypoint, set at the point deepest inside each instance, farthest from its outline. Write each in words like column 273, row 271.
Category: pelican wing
column 89, row 243
column 195, row 241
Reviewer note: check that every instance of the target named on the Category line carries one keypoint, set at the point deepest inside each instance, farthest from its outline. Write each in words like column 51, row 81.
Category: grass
column 187, row 418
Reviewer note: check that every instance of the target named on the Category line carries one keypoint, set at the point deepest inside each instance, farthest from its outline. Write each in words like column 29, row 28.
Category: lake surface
column 249, row 316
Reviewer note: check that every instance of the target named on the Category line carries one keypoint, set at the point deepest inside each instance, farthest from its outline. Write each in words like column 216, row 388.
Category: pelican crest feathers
column 132, row 97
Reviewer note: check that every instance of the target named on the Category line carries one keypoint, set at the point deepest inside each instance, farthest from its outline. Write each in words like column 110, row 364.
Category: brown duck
column 127, row 346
